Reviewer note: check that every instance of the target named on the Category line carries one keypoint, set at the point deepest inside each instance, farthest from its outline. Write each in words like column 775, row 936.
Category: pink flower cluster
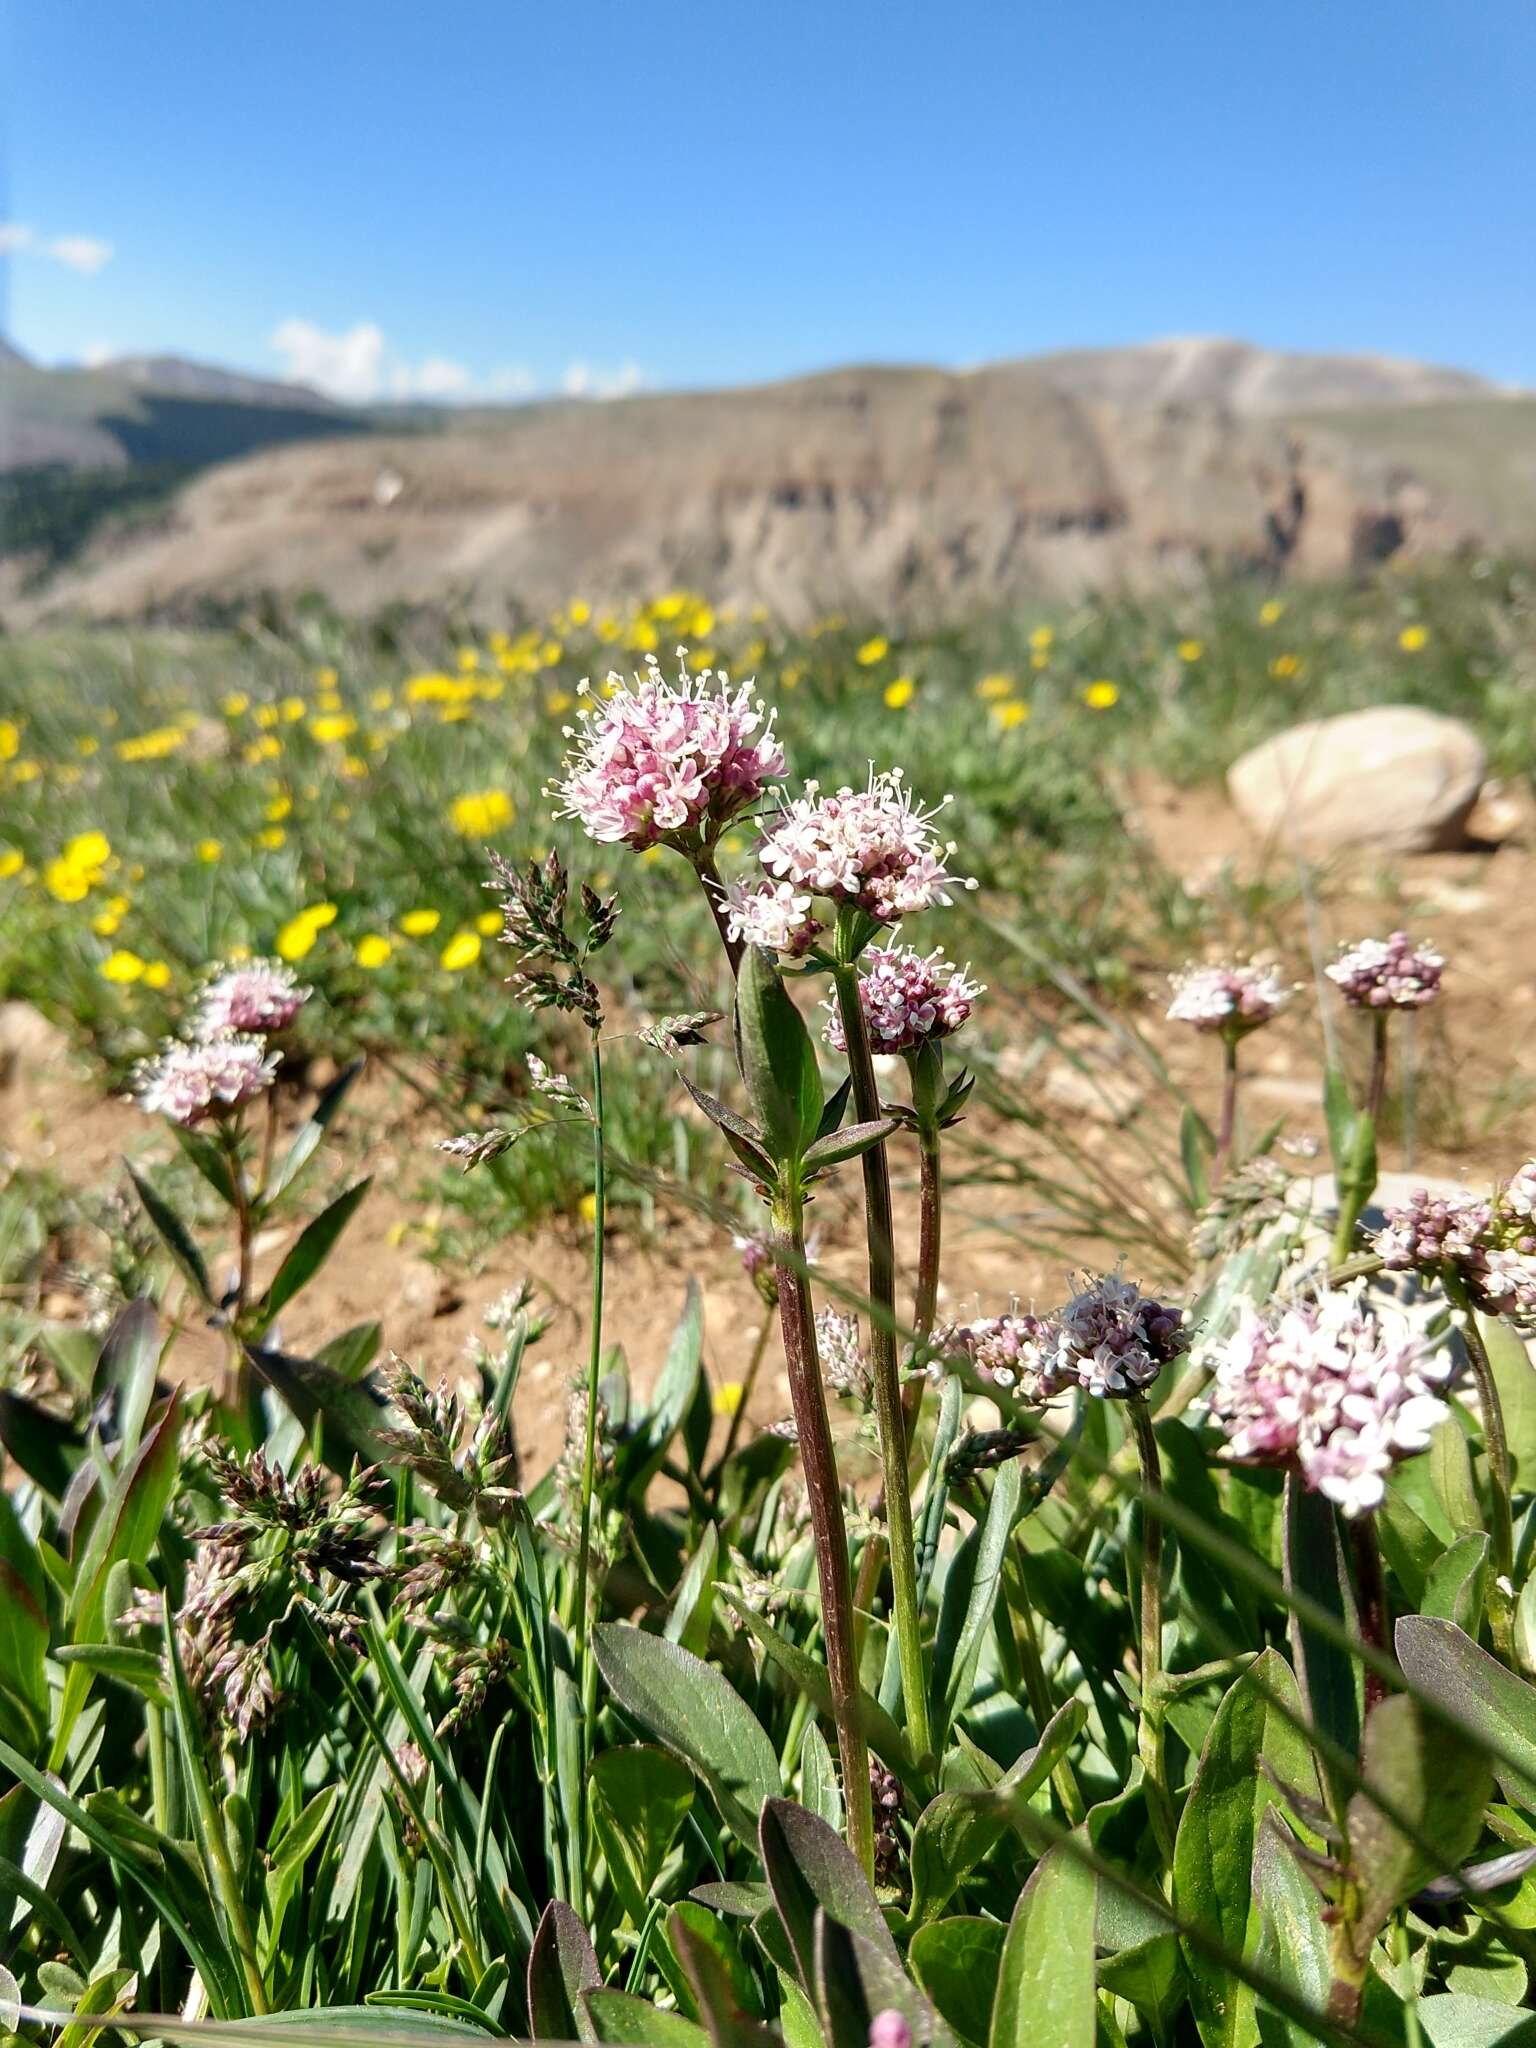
column 908, row 998
column 1233, row 999
column 1004, row 1352
column 254, row 995
column 1333, row 1389
column 1110, row 1339
column 874, row 847
column 1491, row 1245
column 844, row 1366
column 774, row 915
column 667, row 762
column 193, row 1078
column 1388, row 974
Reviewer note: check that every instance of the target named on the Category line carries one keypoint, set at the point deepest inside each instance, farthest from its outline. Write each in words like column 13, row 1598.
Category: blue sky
column 460, row 196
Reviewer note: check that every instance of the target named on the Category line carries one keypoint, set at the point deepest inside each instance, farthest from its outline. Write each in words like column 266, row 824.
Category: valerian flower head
column 908, row 999
column 1337, row 1390
column 1004, row 1353
column 1491, row 1245
column 188, row 1080
column 1232, row 1000
column 1388, row 974
column 1111, row 1338
column 844, row 1363
column 756, row 1255
column 667, row 763
column 875, row 848
column 252, row 995
column 774, row 915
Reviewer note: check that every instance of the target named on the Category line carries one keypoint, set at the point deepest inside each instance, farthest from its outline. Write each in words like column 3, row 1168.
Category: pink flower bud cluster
column 1335, row 1389
column 190, row 1079
column 1231, row 999
column 1003, row 1352
column 844, row 1365
column 873, row 847
column 908, row 999
column 667, row 762
column 1491, row 1245
column 1388, row 974
column 254, row 995
column 1112, row 1338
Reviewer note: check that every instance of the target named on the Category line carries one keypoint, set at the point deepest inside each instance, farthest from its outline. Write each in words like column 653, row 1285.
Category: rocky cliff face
column 896, row 492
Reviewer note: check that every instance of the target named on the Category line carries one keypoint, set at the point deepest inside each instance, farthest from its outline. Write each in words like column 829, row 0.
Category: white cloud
column 582, row 380
column 95, row 353
column 80, row 252
column 14, row 236
column 359, row 366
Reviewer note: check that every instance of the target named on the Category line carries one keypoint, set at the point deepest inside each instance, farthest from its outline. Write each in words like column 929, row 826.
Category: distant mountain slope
column 1256, row 382
column 176, row 377
column 897, row 491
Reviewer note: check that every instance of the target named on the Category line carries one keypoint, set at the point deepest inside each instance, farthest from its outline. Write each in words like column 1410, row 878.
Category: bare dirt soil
column 1475, row 1094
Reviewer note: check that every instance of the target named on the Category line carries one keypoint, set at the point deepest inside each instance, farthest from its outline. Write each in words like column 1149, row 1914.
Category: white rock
column 1395, row 778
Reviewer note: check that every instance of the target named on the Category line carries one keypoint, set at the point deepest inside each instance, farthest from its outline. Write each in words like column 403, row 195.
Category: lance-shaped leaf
column 956, row 1961
column 640, row 1798
column 175, row 1236
column 309, row 1252
column 1435, row 1781
column 692, row 1708
column 562, row 1965
column 1442, row 1662
column 1045, row 1987
column 848, row 1144
column 808, row 1866
column 1252, row 1748
column 778, row 1058
column 726, row 2024
column 307, row 1138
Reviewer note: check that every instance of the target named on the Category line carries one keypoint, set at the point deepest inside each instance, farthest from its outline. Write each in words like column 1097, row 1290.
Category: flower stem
column 889, row 1418
column 930, row 1232
column 1496, row 1440
column 585, row 1662
column 1228, row 1126
column 714, row 895
column 1378, row 1088
column 1371, row 1600
column 1149, row 1739
column 826, row 1506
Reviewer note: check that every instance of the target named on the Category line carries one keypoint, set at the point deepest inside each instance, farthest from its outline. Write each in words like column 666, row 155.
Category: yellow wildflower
column 10, row 740
column 12, row 861
column 578, row 611
column 1413, row 638
column 417, row 924
column 1006, row 716
column 151, row 746
column 157, row 974
column 991, row 689
column 332, row 728
column 381, row 700
column 373, row 949
column 279, row 808
column 86, row 745
column 326, row 679
column 355, row 769
column 488, row 922
column 1271, row 611
column 558, row 701
column 1102, row 695
column 480, row 811
column 727, row 1398
column 899, row 694
column 872, row 651
column 266, row 716
column 267, row 748
column 271, row 837
column 208, row 850
column 235, row 705
column 292, row 709
column 1284, row 666
column 105, row 923
column 1191, row 650
column 1043, row 639
column 122, row 966
column 586, row 1208
column 462, row 950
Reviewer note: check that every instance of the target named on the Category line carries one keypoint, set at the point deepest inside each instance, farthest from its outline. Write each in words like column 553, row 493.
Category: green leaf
column 778, row 1058
column 849, row 1144
column 958, row 1829
column 956, row 1962
column 1515, row 1377
column 1339, row 1113
column 1438, row 1782
column 808, row 1866
column 820, row 1792
column 210, row 1159
column 1450, row 2019
column 1251, row 1745
column 630, row 2022
column 126, row 1369
column 855, row 1979
column 175, row 1236
column 1441, row 1662
column 961, row 1632
column 724, row 2021
column 1328, row 1676
column 139, row 1669
column 1458, row 1584
column 309, row 1252
column 438, row 2003
column 693, row 1604
column 350, row 1355
column 307, row 1137
column 640, row 1455
column 562, row 1965
column 691, row 1708
column 46, row 1449
column 1045, row 1985
column 1293, row 1943
column 640, row 1799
